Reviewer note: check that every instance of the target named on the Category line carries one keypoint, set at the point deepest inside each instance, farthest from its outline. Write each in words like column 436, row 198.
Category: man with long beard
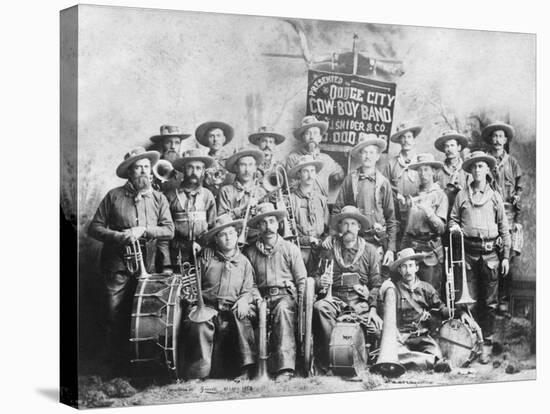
column 128, row 214
column 280, row 277
column 193, row 209
column 266, row 139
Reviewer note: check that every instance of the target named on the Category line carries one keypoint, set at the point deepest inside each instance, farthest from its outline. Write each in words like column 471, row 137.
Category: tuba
column 133, row 259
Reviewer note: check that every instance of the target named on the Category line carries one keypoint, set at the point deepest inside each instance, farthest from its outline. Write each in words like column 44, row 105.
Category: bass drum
column 347, row 350
column 458, row 343
column 156, row 319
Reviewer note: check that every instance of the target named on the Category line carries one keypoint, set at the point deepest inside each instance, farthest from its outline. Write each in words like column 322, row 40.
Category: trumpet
column 163, row 170
column 133, row 259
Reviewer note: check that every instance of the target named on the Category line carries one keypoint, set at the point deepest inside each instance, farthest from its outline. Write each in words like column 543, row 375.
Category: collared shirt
column 122, row 208
column 235, row 195
column 311, row 211
column 480, row 214
column 330, row 167
column 507, row 174
column 227, row 279
column 419, row 224
column 403, row 180
column 278, row 266
column 451, row 178
column 373, row 197
column 362, row 259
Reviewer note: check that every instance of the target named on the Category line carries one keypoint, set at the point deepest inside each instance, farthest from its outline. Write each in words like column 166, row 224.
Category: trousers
column 282, row 339
column 418, row 352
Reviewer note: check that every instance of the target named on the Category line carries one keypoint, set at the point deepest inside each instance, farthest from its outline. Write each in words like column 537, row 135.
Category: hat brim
column 232, row 160
column 256, row 137
column 418, row 256
column 336, row 219
column 179, row 164
column 296, row 169
column 489, row 129
column 415, row 130
column 322, row 125
column 434, row 164
column 200, row 132
column 209, row 235
column 157, row 139
column 491, row 162
column 254, row 221
column 380, row 143
column 122, row 169
column 460, row 139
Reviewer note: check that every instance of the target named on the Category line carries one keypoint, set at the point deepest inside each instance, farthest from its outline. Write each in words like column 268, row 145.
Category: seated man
column 415, row 302
column 226, row 342
column 355, row 280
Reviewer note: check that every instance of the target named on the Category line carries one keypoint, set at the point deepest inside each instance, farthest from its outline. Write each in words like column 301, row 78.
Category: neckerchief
column 501, row 161
column 337, row 250
column 314, row 154
column 243, row 191
column 138, row 195
column 362, row 176
column 409, row 173
column 191, row 200
column 311, row 217
column 452, row 169
column 228, row 261
column 487, row 194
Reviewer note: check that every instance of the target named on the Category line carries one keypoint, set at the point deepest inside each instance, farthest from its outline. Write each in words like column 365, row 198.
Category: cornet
column 133, row 259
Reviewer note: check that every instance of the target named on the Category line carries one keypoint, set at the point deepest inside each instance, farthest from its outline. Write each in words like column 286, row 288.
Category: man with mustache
column 354, row 282
column 404, row 181
column 478, row 212
column 280, row 277
column 193, row 209
column 311, row 133
column 368, row 190
column 266, row 139
column 130, row 213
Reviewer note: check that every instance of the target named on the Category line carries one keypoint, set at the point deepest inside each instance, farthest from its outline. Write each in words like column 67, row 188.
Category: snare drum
column 457, row 341
column 156, row 318
column 347, row 350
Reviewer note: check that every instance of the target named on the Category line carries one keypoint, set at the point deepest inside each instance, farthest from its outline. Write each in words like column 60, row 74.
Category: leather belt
column 274, row 291
column 480, row 245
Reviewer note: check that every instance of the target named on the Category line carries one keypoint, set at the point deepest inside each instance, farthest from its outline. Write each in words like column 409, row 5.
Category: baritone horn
column 163, row 170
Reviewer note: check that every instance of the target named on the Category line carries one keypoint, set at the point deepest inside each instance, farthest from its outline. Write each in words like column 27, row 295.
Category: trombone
column 465, row 298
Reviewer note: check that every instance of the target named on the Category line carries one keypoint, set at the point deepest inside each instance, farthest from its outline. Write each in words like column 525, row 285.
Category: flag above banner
column 353, row 106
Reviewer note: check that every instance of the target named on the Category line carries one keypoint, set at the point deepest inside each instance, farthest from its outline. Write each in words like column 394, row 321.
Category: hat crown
column 264, row 208
column 309, row 119
column 425, row 157
column 134, row 152
column 405, row 253
column 266, row 129
column 350, row 210
column 475, row 154
column 450, row 132
column 169, row 130
column 194, row 152
column 305, row 159
column 363, row 138
column 223, row 219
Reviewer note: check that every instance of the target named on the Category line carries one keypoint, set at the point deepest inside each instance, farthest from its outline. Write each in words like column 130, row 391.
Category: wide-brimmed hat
column 495, row 126
column 167, row 131
column 403, row 128
column 202, row 130
column 135, row 155
column 264, row 131
column 439, row 143
column 264, row 210
column 477, row 156
column 223, row 221
column 243, row 152
column 304, row 161
column 349, row 212
column 192, row 155
column 369, row 139
column 425, row 159
column 309, row 122
column 404, row 256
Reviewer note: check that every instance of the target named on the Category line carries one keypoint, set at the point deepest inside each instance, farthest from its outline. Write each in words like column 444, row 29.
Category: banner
column 353, row 106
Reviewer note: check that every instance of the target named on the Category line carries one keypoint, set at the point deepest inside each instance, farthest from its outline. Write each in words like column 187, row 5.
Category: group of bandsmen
column 384, row 226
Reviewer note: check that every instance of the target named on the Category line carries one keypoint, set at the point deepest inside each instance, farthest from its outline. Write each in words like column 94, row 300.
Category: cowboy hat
column 369, row 139
column 221, row 223
column 478, row 156
column 167, row 131
column 487, row 132
column 243, row 152
column 403, row 128
column 202, row 130
column 310, row 121
column 460, row 139
column 305, row 161
column 192, row 155
column 425, row 159
column 350, row 212
column 135, row 155
column 264, row 131
column 264, row 210
column 404, row 256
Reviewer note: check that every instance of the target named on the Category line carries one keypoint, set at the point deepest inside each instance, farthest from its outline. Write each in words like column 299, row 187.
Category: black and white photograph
column 279, row 206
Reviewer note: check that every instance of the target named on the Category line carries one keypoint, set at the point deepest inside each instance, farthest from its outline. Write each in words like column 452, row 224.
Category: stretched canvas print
column 260, row 206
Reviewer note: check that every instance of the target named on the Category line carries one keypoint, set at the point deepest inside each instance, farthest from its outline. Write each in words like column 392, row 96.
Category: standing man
column 225, row 344
column 128, row 214
column 403, row 180
column 309, row 206
column 478, row 212
column 192, row 206
column 215, row 135
column 280, row 277
column 427, row 221
column 234, row 198
column 311, row 133
column 507, row 174
column 451, row 177
column 369, row 191
column 266, row 139
column 355, row 280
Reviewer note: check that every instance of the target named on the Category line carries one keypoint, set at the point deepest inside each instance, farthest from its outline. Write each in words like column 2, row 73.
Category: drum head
column 457, row 342
column 348, row 353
